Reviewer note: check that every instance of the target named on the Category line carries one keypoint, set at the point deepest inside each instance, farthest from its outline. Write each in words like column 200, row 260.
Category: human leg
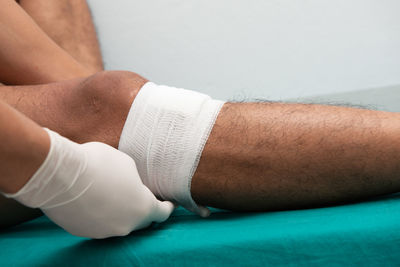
column 69, row 24
column 259, row 156
column 273, row 156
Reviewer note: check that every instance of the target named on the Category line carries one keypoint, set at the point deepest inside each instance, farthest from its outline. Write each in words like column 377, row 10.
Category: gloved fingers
column 203, row 212
column 163, row 211
column 143, row 225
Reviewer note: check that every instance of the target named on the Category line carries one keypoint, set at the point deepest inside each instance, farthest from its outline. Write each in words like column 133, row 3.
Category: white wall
column 254, row 48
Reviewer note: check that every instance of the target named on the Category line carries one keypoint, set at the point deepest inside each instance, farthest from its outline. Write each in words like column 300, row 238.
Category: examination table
column 357, row 234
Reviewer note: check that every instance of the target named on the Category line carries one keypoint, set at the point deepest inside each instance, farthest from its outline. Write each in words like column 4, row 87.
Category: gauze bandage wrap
column 91, row 190
column 165, row 133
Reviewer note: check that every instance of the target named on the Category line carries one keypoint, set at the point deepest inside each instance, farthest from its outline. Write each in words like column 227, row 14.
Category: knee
column 111, row 89
column 107, row 97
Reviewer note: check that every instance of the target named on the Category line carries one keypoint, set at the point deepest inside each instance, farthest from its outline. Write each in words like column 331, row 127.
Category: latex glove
column 91, row 190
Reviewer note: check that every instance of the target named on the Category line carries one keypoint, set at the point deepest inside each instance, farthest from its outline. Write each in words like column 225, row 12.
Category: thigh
column 69, row 23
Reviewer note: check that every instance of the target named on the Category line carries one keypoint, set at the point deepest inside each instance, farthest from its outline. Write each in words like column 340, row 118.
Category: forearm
column 24, row 146
column 27, row 54
column 267, row 156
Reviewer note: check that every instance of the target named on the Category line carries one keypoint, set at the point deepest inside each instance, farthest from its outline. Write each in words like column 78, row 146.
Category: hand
column 92, row 190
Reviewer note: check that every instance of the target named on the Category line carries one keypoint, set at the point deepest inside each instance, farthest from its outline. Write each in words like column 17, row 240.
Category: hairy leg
column 273, row 156
column 259, row 156
column 69, row 24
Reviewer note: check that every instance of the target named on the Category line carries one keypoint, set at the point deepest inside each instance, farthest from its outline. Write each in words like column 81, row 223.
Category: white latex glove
column 91, row 190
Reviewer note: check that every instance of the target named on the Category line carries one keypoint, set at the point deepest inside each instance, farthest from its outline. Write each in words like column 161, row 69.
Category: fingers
column 163, row 211
column 204, row 212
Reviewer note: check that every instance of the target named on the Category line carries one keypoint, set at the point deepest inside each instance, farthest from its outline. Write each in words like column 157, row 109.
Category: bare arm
column 23, row 147
column 27, row 54
column 41, row 58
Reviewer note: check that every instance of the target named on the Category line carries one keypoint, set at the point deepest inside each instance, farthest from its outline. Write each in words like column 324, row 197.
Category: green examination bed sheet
column 357, row 234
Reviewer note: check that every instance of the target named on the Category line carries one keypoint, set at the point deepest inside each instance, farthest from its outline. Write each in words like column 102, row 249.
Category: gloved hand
column 91, row 190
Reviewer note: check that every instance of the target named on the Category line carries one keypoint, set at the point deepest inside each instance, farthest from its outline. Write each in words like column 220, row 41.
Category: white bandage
column 165, row 133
